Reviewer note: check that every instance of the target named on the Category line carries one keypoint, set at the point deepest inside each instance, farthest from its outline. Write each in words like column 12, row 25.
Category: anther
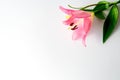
column 75, row 27
column 71, row 24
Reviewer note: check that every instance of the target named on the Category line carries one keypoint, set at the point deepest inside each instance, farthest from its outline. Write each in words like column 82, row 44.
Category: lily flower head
column 79, row 21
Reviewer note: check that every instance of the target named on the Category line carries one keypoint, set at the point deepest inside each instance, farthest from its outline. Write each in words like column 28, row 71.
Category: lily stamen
column 74, row 28
column 71, row 24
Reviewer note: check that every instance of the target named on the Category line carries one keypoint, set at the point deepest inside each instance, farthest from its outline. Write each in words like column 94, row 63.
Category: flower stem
column 96, row 4
column 88, row 6
column 115, row 3
column 84, row 8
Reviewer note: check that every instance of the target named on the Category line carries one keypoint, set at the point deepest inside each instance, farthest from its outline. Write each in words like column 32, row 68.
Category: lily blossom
column 79, row 21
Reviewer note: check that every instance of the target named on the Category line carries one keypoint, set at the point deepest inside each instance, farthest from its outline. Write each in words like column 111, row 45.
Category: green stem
column 84, row 8
column 73, row 7
column 80, row 8
column 115, row 3
column 88, row 6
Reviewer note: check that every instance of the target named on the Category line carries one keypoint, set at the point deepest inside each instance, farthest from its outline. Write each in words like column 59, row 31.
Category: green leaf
column 110, row 22
column 100, row 15
column 101, row 6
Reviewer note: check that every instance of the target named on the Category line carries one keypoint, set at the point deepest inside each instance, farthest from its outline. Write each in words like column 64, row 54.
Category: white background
column 35, row 45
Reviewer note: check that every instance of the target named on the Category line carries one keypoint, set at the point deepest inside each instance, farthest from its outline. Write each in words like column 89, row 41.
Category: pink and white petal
column 82, row 14
column 82, row 30
column 87, row 24
column 78, row 13
column 84, row 40
column 78, row 33
column 67, row 11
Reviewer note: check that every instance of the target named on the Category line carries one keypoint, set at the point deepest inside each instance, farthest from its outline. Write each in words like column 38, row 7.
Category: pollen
column 67, row 17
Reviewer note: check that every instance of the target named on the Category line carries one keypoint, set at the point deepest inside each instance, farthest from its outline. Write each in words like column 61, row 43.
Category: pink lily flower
column 80, row 22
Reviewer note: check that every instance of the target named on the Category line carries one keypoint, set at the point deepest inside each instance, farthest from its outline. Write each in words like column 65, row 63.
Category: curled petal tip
column 60, row 7
column 67, row 11
column 84, row 43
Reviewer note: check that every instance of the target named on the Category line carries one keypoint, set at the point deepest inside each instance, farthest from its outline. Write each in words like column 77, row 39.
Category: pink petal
column 78, row 33
column 67, row 11
column 75, row 13
column 87, row 24
column 82, row 31
column 81, row 14
column 84, row 40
